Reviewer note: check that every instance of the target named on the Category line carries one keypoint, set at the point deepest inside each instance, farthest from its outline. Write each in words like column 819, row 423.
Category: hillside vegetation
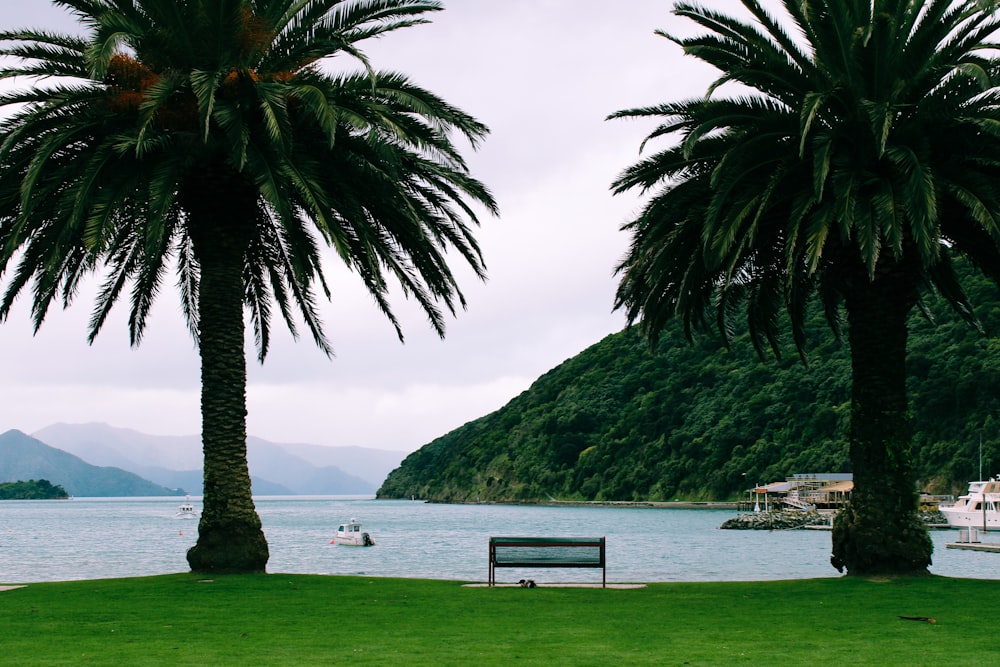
column 32, row 489
column 697, row 421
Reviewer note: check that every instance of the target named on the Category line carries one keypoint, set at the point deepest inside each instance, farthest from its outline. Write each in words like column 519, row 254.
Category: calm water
column 90, row 538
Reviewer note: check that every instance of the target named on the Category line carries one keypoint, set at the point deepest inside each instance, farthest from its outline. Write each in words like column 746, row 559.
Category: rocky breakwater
column 934, row 518
column 790, row 520
column 777, row 520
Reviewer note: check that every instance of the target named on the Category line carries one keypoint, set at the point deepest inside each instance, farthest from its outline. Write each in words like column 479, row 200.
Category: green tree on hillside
column 32, row 489
column 210, row 137
column 862, row 140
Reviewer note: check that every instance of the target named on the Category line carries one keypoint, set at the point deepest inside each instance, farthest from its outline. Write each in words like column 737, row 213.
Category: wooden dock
column 991, row 547
column 970, row 540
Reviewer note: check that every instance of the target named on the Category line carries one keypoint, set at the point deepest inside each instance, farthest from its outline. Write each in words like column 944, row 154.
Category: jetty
column 991, row 547
column 969, row 539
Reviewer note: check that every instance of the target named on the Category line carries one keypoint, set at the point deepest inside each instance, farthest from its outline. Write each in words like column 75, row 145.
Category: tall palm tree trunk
column 879, row 532
column 230, row 538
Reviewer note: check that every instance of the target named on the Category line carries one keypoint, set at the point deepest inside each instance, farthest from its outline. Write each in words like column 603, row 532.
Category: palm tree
column 207, row 137
column 858, row 153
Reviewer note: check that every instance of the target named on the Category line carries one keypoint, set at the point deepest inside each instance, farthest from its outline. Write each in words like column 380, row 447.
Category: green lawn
column 278, row 619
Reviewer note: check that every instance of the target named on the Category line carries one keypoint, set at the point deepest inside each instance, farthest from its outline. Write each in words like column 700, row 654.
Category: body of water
column 95, row 538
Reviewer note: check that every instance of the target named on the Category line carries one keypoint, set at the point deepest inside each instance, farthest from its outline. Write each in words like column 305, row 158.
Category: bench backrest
column 547, row 551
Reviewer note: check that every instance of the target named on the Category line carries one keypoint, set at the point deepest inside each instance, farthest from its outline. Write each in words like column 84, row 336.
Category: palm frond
column 863, row 140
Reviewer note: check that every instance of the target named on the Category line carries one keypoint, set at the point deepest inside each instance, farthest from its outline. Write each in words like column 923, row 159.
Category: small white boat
column 186, row 511
column 979, row 508
column 350, row 534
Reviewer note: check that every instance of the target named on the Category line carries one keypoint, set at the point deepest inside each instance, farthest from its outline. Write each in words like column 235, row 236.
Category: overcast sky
column 543, row 75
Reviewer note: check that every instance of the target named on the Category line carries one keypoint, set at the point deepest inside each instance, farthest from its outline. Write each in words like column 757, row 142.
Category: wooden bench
column 547, row 552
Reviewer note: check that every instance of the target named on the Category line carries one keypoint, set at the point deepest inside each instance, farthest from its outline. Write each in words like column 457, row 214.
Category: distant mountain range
column 101, row 460
column 25, row 458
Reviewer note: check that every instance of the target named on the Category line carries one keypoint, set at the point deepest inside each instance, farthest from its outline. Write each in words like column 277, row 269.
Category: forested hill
column 697, row 421
column 32, row 489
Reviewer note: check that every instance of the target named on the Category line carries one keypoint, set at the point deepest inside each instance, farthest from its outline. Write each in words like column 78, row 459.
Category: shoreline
column 646, row 504
column 638, row 504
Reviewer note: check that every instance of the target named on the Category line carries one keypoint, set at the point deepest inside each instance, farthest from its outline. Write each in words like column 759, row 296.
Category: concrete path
column 569, row 585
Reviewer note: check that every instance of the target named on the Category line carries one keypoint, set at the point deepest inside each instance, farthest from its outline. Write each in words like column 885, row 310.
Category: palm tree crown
column 174, row 102
column 859, row 151
column 210, row 136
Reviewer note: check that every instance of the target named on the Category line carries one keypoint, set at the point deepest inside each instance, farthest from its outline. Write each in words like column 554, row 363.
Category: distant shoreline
column 638, row 504
column 643, row 504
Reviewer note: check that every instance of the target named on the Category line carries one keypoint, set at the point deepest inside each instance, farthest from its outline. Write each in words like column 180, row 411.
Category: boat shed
column 833, row 495
column 806, row 492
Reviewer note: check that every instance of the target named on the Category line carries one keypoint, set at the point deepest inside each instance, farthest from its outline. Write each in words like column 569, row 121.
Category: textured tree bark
column 230, row 538
column 880, row 532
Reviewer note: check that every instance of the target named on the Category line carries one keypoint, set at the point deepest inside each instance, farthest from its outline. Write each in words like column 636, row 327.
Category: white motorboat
column 979, row 508
column 350, row 534
column 186, row 511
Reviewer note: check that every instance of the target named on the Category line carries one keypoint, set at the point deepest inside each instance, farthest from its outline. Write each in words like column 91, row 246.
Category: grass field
column 277, row 619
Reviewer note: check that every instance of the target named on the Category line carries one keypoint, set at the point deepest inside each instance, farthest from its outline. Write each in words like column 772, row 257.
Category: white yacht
column 979, row 508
